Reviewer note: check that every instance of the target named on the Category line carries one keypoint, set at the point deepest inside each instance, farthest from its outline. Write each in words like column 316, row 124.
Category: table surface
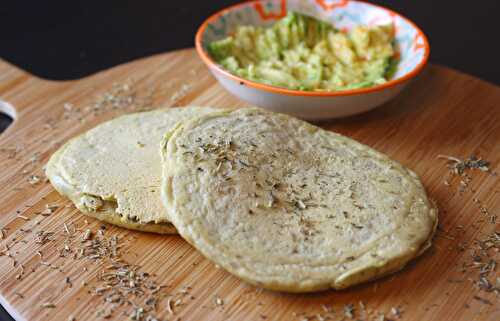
column 442, row 112
column 55, row 39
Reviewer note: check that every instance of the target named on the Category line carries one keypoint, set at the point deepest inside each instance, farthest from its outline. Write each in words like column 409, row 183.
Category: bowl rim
column 293, row 92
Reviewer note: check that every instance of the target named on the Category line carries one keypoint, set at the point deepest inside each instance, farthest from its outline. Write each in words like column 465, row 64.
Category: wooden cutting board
column 442, row 112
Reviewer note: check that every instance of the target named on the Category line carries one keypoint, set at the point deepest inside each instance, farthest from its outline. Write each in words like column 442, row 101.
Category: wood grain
column 442, row 112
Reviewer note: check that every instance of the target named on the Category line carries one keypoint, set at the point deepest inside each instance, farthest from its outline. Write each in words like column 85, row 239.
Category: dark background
column 72, row 39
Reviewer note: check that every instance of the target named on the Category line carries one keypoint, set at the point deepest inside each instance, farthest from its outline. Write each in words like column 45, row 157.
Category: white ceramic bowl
column 411, row 44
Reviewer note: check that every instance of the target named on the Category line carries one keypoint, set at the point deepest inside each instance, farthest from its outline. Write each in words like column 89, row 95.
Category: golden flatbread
column 288, row 206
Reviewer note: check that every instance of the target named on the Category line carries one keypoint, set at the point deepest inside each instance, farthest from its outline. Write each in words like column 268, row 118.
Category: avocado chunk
column 304, row 53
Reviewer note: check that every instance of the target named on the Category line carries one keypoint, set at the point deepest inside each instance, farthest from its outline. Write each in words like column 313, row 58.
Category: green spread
column 301, row 52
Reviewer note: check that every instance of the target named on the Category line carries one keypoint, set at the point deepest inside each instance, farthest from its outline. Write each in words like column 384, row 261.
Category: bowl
column 411, row 47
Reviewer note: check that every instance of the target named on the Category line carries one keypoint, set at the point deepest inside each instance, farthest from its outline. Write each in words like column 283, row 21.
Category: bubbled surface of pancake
column 289, row 206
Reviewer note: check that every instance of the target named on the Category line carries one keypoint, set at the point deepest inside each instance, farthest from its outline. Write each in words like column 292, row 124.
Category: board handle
column 7, row 109
column 17, row 89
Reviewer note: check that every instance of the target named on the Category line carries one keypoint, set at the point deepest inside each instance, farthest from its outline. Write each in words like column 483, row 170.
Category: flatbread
column 288, row 206
column 113, row 171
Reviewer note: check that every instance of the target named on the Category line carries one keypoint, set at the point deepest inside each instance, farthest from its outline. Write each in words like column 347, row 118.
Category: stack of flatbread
column 272, row 199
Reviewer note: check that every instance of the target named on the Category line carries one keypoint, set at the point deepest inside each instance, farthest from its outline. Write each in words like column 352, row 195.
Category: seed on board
column 99, row 291
column 43, row 237
column 396, row 312
column 87, row 235
column 482, row 300
column 301, row 205
column 34, row 179
column 67, row 280
column 105, row 314
column 46, row 212
column 326, row 308
column 169, row 306
column 49, row 209
column 66, row 229
column 48, row 305
column 349, row 311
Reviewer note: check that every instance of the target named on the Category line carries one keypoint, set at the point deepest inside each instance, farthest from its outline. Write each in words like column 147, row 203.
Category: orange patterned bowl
column 412, row 49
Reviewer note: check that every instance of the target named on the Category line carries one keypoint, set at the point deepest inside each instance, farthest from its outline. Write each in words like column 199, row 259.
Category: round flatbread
column 113, row 171
column 288, row 206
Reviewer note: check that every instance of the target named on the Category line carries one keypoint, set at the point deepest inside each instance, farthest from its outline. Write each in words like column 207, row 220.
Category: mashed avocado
column 301, row 52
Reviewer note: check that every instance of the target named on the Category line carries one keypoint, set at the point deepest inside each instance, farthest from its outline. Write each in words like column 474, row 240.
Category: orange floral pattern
column 330, row 5
column 411, row 44
column 259, row 7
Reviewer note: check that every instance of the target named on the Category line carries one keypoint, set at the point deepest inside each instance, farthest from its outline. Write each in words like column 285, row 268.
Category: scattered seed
column 87, row 235
column 43, row 237
column 482, row 300
column 67, row 280
column 170, row 309
column 34, row 179
column 48, row 305
column 349, row 311
column 396, row 312
column 66, row 229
